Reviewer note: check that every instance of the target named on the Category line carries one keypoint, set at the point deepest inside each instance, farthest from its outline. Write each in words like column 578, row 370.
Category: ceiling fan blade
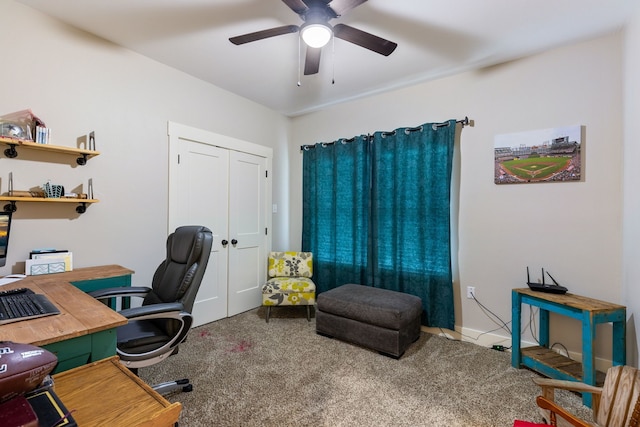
column 259, row 35
column 342, row 6
column 364, row 39
column 298, row 6
column 312, row 60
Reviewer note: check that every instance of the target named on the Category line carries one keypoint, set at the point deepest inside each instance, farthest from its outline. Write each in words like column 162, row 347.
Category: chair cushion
column 289, row 291
column 139, row 336
column 290, row 264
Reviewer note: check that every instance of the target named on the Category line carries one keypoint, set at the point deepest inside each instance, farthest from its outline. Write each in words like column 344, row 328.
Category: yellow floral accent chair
column 289, row 281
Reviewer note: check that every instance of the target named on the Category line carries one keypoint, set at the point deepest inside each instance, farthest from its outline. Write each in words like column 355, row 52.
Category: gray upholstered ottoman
column 378, row 319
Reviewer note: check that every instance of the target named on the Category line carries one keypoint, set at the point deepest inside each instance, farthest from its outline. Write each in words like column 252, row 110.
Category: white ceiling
column 435, row 38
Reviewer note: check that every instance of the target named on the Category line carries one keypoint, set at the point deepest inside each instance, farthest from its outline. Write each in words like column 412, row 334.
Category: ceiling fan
column 316, row 30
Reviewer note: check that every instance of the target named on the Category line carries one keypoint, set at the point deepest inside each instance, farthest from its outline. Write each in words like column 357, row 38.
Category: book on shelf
column 43, row 135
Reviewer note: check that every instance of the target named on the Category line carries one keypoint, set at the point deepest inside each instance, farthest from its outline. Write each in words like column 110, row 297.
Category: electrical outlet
column 471, row 291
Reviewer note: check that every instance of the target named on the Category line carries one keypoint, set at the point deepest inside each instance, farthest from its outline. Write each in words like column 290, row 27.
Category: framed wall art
column 545, row 155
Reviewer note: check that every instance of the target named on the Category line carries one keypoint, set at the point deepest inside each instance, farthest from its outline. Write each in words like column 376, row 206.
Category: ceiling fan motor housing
column 316, row 14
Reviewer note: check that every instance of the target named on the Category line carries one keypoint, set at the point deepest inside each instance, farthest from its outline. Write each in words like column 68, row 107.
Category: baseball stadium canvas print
column 546, row 155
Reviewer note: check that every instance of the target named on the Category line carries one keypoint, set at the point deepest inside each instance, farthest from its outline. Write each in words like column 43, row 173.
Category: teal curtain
column 336, row 199
column 410, row 217
column 376, row 212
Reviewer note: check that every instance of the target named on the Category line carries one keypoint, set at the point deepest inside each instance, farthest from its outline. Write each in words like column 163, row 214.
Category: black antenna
column 554, row 280
column 528, row 280
column 543, row 276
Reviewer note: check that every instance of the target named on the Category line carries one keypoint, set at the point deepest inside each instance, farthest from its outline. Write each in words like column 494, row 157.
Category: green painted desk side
column 99, row 345
column 107, row 282
column 79, row 351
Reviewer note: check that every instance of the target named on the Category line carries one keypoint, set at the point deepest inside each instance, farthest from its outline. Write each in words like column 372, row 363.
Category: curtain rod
column 464, row 122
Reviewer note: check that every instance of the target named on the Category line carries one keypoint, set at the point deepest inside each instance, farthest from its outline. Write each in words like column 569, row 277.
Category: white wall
column 631, row 184
column 572, row 229
column 78, row 83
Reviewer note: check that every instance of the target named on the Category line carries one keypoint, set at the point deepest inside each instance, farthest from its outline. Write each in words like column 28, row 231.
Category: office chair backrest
column 178, row 277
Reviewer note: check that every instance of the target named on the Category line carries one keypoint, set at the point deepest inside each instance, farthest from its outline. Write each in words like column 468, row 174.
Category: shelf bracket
column 11, row 152
column 82, row 208
column 11, row 206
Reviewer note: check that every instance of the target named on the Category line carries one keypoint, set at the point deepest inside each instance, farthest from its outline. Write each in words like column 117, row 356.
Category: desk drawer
column 71, row 353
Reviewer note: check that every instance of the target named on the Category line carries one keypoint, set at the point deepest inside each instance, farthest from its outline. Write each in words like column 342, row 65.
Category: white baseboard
column 484, row 339
column 489, row 339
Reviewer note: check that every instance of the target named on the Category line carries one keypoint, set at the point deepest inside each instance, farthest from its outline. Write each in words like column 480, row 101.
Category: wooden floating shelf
column 11, row 206
column 11, row 152
column 47, row 199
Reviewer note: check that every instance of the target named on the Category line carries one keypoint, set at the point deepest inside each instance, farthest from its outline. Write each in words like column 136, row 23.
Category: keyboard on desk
column 24, row 304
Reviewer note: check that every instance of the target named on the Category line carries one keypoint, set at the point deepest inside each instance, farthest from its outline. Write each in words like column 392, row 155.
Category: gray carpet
column 249, row 373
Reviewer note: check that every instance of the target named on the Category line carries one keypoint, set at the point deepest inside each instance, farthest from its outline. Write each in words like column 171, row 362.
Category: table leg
column 544, row 328
column 516, row 318
column 588, row 356
column 619, row 355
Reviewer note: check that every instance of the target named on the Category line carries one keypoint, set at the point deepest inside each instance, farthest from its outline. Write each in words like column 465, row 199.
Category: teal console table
column 590, row 312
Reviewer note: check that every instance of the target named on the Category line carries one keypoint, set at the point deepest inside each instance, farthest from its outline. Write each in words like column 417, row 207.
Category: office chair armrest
column 127, row 291
column 169, row 310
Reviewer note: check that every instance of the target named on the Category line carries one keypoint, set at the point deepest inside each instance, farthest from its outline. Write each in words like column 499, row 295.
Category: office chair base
column 172, row 386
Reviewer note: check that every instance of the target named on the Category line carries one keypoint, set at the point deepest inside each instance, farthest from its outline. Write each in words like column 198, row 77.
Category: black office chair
column 162, row 322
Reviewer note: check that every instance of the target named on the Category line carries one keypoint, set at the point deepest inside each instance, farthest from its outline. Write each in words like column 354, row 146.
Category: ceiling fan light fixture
column 316, row 35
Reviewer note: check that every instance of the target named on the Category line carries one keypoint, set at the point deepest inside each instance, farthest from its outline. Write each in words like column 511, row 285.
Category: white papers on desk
column 11, row 278
column 49, row 263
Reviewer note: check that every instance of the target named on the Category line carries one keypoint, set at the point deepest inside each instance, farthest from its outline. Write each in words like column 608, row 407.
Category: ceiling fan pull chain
column 333, row 60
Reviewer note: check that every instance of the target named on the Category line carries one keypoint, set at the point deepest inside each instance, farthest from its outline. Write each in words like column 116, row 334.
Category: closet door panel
column 247, row 226
column 203, row 199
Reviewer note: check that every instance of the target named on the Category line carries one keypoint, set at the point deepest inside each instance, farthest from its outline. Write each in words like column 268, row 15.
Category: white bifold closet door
column 223, row 184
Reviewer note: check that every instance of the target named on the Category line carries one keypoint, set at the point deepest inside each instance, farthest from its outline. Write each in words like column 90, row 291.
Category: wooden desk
column 590, row 312
column 83, row 332
column 105, row 393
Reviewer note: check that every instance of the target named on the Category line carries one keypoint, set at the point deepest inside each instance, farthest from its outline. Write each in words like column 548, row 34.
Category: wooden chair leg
column 268, row 312
column 308, row 313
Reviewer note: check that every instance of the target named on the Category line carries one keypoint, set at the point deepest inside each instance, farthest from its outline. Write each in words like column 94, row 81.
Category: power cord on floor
column 492, row 316
column 504, row 326
column 563, row 347
column 532, row 323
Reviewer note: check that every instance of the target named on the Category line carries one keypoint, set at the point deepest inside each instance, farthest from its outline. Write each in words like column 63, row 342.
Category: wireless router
column 544, row 287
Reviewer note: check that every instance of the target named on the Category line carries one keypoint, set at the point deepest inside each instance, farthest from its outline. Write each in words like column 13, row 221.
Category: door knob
column 234, row 242
column 224, row 243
